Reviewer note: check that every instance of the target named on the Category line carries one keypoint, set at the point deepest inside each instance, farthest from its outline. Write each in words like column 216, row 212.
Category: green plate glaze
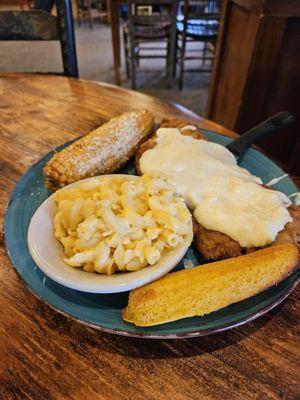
column 104, row 311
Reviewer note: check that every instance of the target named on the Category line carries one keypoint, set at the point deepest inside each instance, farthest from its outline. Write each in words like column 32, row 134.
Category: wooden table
column 46, row 356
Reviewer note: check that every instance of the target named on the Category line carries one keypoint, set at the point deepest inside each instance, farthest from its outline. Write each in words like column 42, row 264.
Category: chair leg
column 212, row 50
column 127, row 66
column 204, row 53
column 174, row 65
column 138, row 56
column 108, row 8
column 125, row 42
column 90, row 14
column 79, row 15
column 168, row 52
column 181, row 63
column 132, row 66
column 169, row 68
column 100, row 7
column 172, row 39
column 133, row 74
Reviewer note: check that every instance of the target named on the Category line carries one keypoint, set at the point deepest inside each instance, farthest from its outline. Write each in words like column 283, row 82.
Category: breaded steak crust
column 216, row 245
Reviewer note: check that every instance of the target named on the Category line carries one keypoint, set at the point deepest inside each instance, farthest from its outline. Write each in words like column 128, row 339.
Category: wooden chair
column 199, row 22
column 25, row 3
column 85, row 10
column 40, row 25
column 155, row 27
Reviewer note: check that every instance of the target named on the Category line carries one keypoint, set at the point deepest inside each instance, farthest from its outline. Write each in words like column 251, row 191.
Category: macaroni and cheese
column 116, row 223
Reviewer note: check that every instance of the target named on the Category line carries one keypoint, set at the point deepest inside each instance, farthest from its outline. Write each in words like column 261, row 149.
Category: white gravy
column 223, row 196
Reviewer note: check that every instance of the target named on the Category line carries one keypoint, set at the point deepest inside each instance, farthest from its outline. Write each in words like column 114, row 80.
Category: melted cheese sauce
column 223, row 196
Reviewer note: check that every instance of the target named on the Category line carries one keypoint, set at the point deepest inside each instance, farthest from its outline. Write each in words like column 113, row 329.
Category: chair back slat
column 193, row 9
column 151, row 19
column 41, row 25
column 28, row 25
column 150, row 2
column 167, row 16
column 205, row 16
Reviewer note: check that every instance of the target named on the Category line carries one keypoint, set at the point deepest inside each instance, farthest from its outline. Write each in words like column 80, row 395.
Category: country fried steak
column 216, row 245
column 166, row 123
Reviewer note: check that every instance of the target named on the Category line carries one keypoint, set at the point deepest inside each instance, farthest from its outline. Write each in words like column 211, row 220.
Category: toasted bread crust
column 216, row 245
column 202, row 290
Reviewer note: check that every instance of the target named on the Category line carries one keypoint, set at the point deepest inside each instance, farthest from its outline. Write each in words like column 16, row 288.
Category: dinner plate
column 48, row 254
column 103, row 311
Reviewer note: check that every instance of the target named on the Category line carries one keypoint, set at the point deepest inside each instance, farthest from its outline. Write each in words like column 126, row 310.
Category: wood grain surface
column 46, row 356
column 270, row 53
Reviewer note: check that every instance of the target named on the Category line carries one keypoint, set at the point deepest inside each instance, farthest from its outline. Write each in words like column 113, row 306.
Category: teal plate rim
column 266, row 300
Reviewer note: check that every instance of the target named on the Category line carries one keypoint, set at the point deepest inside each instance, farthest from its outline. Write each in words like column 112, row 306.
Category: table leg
column 115, row 32
column 108, row 10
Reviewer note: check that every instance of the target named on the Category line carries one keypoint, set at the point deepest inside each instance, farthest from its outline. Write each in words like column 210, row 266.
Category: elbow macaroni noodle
column 115, row 224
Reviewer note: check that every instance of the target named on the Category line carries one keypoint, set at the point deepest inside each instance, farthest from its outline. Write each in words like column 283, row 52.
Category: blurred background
column 236, row 62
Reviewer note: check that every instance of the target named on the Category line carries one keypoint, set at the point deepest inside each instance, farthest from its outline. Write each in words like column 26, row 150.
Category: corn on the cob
column 102, row 151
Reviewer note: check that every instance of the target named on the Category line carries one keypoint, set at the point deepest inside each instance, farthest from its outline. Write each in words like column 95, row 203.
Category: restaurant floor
column 95, row 63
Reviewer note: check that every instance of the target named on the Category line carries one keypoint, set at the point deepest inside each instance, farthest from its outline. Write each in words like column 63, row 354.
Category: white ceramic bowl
column 47, row 253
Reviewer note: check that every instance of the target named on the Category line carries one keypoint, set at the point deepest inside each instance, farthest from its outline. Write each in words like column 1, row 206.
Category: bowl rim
column 115, row 283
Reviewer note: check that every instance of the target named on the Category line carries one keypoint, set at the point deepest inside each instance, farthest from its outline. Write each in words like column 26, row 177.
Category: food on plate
column 207, row 288
column 233, row 212
column 102, row 151
column 217, row 245
column 119, row 223
column 185, row 129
